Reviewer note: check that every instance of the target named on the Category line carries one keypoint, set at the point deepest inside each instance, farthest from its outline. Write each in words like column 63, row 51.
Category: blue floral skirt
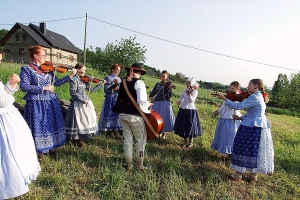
column 46, row 123
column 253, row 150
column 109, row 120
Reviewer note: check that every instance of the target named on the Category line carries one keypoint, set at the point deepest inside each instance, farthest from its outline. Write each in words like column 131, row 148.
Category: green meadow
column 97, row 171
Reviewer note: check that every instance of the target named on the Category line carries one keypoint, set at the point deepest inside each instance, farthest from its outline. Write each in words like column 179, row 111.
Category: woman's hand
column 236, row 117
column 216, row 113
column 116, row 88
column 14, row 79
column 150, row 107
column 74, row 71
column 221, row 96
column 49, row 87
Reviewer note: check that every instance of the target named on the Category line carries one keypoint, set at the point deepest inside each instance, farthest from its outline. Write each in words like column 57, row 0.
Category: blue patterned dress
column 42, row 111
column 163, row 106
column 109, row 120
column 253, row 145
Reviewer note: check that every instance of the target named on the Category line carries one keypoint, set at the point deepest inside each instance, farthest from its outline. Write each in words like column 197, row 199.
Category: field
column 97, row 171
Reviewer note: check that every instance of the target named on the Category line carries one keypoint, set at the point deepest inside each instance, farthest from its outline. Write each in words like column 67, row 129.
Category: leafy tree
column 125, row 52
column 180, row 77
column 280, row 90
column 3, row 32
column 293, row 93
column 218, row 87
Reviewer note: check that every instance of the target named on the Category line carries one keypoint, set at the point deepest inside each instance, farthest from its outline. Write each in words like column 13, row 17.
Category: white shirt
column 142, row 98
column 188, row 101
column 226, row 112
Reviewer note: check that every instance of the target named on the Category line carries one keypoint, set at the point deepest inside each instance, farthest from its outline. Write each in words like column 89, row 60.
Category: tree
column 125, row 52
column 294, row 92
column 180, row 77
column 3, row 32
column 280, row 90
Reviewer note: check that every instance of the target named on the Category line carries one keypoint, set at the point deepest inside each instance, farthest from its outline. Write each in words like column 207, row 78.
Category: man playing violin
column 160, row 96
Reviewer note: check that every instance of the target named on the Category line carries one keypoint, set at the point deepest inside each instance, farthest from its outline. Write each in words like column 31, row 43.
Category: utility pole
column 84, row 55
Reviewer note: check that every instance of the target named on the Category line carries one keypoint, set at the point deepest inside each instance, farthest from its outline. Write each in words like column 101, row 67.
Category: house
column 58, row 48
column 207, row 85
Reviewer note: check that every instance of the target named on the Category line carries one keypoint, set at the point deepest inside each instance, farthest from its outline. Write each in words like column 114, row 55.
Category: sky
column 212, row 41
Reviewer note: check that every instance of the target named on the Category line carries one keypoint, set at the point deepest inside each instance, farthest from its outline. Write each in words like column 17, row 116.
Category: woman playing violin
column 109, row 121
column 42, row 111
column 253, row 146
column 226, row 127
column 160, row 96
column 80, row 122
column 187, row 124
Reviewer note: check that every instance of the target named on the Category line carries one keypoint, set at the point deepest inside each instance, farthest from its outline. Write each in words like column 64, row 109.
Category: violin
column 116, row 83
column 167, row 84
column 50, row 67
column 234, row 96
column 87, row 79
column 190, row 89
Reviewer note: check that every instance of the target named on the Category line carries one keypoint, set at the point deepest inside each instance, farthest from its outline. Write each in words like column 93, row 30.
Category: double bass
column 157, row 124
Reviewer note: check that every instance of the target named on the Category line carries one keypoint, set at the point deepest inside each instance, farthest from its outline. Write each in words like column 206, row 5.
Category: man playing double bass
column 130, row 118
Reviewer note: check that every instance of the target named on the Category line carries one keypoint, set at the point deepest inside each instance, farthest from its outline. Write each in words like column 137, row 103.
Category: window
column 17, row 38
column 24, row 37
column 58, row 55
column 21, row 51
column 71, row 58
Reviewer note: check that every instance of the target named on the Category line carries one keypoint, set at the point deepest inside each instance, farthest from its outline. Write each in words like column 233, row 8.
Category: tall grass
column 97, row 171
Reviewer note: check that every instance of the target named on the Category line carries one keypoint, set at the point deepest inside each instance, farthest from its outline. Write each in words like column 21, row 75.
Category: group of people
column 246, row 139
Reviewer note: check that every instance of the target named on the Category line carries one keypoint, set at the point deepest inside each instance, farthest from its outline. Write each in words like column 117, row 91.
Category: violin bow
column 154, row 97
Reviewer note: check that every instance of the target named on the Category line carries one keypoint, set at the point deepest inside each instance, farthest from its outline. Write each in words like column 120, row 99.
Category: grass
column 97, row 170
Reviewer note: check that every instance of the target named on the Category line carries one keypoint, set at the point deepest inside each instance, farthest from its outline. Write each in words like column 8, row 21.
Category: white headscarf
column 193, row 81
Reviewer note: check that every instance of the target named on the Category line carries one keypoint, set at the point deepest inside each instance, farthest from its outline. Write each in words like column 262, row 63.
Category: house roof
column 50, row 39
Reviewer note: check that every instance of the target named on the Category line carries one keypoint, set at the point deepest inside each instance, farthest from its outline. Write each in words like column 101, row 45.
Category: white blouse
column 226, row 112
column 142, row 97
column 188, row 101
column 6, row 98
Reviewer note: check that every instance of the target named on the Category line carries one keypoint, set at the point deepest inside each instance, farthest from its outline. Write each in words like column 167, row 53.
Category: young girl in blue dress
column 253, row 145
column 187, row 124
column 226, row 127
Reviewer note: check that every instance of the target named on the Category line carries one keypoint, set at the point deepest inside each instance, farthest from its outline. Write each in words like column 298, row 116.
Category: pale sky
column 260, row 31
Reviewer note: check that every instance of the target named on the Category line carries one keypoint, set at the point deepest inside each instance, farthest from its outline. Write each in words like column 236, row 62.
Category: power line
column 165, row 40
column 54, row 20
column 219, row 54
